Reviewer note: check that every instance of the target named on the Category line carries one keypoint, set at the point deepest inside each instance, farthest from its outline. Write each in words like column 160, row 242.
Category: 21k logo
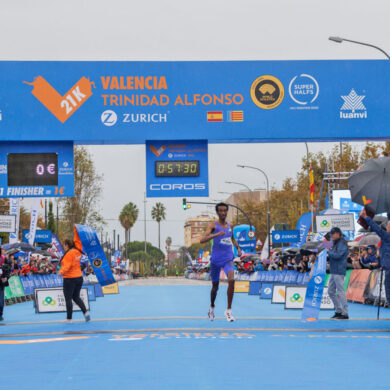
column 62, row 107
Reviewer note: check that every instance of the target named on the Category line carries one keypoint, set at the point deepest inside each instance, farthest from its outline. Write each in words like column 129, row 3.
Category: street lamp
column 268, row 213
column 340, row 40
column 240, row 184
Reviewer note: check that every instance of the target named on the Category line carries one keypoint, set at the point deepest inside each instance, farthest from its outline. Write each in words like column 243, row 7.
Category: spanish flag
column 311, row 176
column 214, row 116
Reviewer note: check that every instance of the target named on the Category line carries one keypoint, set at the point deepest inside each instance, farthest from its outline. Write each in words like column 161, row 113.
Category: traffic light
column 185, row 205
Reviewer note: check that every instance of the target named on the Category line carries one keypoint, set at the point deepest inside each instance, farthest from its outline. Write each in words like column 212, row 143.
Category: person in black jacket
column 338, row 256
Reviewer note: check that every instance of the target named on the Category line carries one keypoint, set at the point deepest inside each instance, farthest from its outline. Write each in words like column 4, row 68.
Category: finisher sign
column 222, row 101
column 36, row 169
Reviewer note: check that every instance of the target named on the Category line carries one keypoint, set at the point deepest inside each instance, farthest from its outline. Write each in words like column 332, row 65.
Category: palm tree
column 168, row 243
column 158, row 214
column 127, row 218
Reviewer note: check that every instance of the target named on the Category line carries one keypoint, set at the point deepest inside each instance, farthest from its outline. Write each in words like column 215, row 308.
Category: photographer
column 5, row 274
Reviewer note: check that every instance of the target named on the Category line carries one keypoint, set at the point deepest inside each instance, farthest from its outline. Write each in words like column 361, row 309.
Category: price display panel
column 32, row 169
column 36, row 169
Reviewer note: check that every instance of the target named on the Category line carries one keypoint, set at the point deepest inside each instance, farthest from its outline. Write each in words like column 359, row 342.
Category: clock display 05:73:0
column 183, row 168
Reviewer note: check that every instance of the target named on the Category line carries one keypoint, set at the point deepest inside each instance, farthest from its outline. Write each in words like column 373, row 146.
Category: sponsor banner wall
column 266, row 291
column 110, row 289
column 241, row 286
column 357, row 284
column 130, row 102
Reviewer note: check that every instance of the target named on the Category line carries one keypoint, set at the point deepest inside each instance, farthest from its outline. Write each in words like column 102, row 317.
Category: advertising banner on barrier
column 357, row 284
column 371, row 292
column 295, row 297
column 52, row 300
column 87, row 237
column 279, row 294
column 266, row 291
column 16, row 286
column 314, row 290
column 241, row 286
column 110, row 289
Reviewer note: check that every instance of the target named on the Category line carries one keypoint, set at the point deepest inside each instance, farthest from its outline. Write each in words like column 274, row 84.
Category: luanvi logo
column 62, row 107
column 353, row 106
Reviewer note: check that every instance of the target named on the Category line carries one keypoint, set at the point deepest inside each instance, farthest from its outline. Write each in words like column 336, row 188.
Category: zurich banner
column 303, row 226
column 87, row 238
column 315, row 289
column 221, row 101
column 285, row 236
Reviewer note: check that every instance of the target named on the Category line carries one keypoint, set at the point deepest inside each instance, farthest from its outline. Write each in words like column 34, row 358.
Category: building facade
column 194, row 228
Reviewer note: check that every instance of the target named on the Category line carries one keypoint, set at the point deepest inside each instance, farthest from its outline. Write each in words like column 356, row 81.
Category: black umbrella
column 370, row 185
column 20, row 247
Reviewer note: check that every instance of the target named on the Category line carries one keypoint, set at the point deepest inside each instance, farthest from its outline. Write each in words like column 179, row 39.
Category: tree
column 51, row 225
column 158, row 214
column 138, row 246
column 127, row 218
column 82, row 208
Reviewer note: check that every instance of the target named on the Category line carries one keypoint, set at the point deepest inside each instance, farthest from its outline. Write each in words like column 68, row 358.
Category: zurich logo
column 109, row 118
column 277, row 236
column 267, row 291
column 318, row 280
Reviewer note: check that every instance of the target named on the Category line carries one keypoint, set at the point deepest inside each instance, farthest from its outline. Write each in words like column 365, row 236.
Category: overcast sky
column 183, row 30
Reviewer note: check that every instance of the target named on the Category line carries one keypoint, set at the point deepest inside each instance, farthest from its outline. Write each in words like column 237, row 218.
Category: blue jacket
column 384, row 250
column 338, row 256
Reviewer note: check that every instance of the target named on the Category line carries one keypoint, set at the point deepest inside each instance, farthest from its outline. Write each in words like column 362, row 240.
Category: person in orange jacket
column 73, row 279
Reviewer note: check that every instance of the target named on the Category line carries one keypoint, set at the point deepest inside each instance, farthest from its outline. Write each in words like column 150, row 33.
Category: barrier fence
column 361, row 285
column 22, row 288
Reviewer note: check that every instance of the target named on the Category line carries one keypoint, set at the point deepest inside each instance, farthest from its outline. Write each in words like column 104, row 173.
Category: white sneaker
column 68, row 321
column 211, row 313
column 87, row 316
column 229, row 315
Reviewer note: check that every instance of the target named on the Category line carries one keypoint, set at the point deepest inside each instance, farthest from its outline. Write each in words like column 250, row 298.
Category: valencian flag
column 87, row 241
column 311, row 176
column 235, row 116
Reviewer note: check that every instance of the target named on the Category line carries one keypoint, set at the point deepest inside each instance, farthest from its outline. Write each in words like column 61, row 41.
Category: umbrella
column 369, row 239
column 314, row 247
column 370, row 185
column 20, row 247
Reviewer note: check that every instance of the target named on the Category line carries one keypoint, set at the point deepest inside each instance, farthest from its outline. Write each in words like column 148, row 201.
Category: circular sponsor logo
column 109, row 118
column 303, row 89
column 267, row 291
column 170, row 155
column 251, row 234
column 267, row 92
column 97, row 263
column 318, row 280
column 65, row 164
column 277, row 236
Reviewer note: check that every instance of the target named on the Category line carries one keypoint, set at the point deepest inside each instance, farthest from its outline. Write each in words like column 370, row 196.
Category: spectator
column 369, row 260
column 338, row 255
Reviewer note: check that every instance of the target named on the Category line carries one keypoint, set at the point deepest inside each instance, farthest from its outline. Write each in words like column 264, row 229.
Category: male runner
column 221, row 234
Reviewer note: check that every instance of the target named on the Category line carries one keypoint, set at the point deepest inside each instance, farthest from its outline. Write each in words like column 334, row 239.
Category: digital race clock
column 177, row 168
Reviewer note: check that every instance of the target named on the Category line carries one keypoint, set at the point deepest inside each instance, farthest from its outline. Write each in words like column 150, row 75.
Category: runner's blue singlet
column 222, row 249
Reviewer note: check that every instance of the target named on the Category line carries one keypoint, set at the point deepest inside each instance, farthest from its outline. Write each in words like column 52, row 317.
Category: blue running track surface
column 159, row 337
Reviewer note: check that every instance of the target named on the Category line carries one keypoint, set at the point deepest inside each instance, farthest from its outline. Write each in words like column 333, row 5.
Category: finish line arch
column 93, row 102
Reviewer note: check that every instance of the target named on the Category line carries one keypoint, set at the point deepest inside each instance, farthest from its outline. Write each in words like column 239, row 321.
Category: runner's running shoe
column 211, row 313
column 229, row 315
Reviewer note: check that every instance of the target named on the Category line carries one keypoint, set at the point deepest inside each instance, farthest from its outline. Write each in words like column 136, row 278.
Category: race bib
column 227, row 241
